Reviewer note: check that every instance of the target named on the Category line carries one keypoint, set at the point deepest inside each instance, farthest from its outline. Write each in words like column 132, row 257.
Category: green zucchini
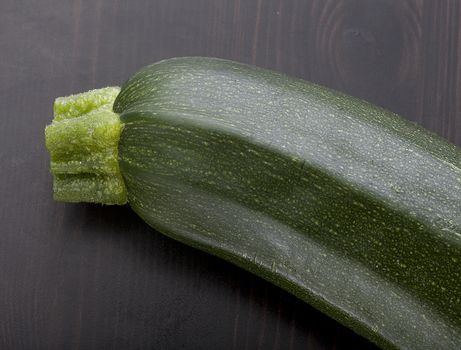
column 347, row 206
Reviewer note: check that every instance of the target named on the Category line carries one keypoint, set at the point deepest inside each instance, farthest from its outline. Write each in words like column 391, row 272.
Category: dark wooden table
column 91, row 277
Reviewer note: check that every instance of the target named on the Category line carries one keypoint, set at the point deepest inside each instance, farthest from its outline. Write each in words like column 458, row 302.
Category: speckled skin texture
column 345, row 205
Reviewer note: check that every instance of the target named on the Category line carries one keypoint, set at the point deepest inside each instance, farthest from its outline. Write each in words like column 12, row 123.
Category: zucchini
column 347, row 206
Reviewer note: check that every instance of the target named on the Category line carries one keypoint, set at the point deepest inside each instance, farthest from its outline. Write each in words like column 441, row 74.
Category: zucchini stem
column 83, row 145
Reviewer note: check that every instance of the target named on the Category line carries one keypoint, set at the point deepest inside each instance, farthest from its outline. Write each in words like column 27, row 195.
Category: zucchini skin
column 345, row 205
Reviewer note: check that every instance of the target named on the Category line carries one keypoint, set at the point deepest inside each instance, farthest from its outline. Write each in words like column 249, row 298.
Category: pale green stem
column 83, row 144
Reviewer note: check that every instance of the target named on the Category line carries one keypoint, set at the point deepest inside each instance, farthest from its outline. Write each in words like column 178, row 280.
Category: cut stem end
column 83, row 145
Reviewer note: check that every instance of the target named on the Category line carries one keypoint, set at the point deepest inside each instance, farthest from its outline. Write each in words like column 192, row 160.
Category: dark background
column 91, row 277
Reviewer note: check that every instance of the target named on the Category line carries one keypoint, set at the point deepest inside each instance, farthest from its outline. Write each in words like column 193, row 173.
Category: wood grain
column 90, row 277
